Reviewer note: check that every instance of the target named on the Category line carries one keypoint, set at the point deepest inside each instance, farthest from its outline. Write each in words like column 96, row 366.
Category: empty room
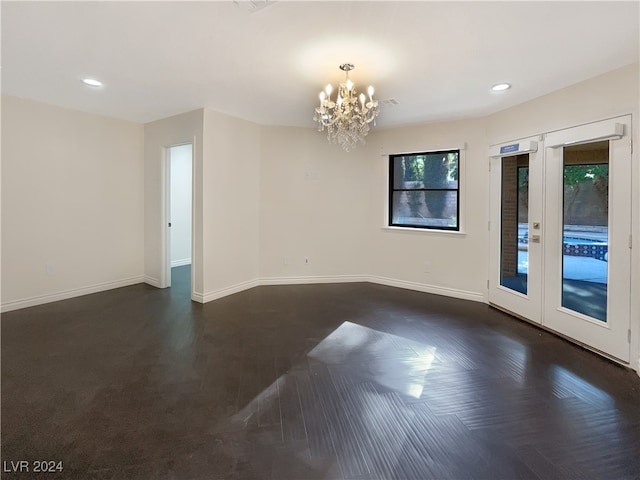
column 338, row 240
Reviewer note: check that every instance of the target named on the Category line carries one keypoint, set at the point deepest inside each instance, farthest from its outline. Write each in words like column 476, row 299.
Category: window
column 423, row 190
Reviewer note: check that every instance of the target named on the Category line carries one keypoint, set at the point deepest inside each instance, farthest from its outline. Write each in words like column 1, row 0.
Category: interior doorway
column 560, row 230
column 179, row 208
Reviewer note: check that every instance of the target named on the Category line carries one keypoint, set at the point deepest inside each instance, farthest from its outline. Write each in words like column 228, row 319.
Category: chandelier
column 347, row 119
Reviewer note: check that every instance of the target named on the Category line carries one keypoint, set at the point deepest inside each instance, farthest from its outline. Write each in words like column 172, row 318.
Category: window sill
column 425, row 230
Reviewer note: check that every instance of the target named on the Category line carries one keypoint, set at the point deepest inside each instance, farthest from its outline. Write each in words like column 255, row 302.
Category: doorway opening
column 179, row 204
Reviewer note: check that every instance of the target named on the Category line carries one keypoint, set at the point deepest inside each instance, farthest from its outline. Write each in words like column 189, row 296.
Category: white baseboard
column 310, row 280
column 66, row 294
column 223, row 292
column 180, row 263
column 423, row 287
column 209, row 296
column 154, row 282
column 420, row 287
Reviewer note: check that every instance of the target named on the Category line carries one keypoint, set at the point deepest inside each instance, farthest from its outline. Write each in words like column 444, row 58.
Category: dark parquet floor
column 349, row 381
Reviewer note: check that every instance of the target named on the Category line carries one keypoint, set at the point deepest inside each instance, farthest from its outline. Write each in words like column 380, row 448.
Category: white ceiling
column 437, row 59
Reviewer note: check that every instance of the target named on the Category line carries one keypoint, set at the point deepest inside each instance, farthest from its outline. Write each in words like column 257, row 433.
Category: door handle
column 535, row 238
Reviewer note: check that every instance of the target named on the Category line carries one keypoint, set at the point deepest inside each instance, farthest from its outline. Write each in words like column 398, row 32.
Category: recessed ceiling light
column 92, row 82
column 500, row 87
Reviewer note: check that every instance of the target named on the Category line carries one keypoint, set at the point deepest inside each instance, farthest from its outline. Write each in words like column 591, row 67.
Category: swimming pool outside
column 585, row 253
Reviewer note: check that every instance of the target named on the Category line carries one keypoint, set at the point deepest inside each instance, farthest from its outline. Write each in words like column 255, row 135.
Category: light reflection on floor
column 571, row 384
column 356, row 360
column 391, row 361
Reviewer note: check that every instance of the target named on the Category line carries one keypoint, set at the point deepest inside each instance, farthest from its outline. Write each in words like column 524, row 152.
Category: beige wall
column 158, row 136
column 230, row 203
column 326, row 205
column 313, row 205
column 225, row 200
column 605, row 96
column 456, row 262
column 72, row 210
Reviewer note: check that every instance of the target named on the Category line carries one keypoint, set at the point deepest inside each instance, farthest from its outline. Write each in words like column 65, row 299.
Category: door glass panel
column 514, row 224
column 585, row 242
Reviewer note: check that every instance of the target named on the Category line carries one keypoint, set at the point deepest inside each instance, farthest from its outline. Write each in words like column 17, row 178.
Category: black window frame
column 392, row 190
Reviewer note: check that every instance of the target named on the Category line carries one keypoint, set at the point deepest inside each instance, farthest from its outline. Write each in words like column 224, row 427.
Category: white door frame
column 165, row 240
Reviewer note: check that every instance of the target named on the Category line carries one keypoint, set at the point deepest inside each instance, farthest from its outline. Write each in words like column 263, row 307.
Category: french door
column 560, row 232
column 515, row 281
